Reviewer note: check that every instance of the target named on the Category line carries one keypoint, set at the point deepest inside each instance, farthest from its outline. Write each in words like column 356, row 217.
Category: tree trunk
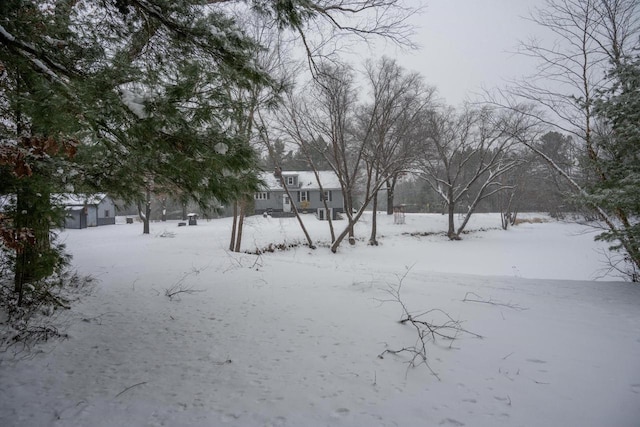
column 240, row 225
column 391, row 188
column 451, row 233
column 297, row 214
column 34, row 253
column 232, row 243
column 164, row 209
column 374, row 226
column 145, row 217
column 347, row 231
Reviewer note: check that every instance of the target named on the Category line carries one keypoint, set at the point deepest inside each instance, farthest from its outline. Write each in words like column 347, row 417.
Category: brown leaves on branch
column 28, row 149
column 15, row 238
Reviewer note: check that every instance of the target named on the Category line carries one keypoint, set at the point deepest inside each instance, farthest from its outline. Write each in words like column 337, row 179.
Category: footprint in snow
column 341, row 412
column 450, row 421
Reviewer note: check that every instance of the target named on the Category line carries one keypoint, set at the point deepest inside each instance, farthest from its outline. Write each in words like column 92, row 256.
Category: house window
column 262, row 196
column 291, row 180
column 303, row 196
column 325, row 196
column 106, row 213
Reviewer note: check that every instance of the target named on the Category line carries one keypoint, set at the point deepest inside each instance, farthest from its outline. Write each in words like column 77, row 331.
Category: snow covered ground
column 292, row 338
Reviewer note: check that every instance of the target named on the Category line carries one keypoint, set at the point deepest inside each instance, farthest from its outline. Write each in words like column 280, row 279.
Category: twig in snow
column 128, row 388
column 508, row 355
column 180, row 288
column 490, row 301
column 176, row 290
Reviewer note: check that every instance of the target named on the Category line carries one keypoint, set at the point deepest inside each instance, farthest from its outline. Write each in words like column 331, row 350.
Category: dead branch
column 427, row 331
column 48, row 296
column 180, row 288
column 173, row 291
column 490, row 301
column 129, row 388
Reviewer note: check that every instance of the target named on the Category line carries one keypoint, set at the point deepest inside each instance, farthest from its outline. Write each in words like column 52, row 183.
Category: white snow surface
column 292, row 338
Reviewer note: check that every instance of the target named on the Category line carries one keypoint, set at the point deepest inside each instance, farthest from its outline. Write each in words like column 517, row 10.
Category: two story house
column 305, row 192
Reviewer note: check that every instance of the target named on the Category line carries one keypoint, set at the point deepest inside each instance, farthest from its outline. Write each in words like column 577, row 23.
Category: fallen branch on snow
column 129, row 388
column 427, row 331
column 180, row 288
column 491, row 302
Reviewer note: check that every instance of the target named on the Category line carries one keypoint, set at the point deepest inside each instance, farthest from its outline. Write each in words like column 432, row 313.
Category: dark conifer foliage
column 618, row 188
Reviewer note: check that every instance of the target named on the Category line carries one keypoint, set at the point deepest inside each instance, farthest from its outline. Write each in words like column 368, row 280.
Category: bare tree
column 368, row 144
column 335, row 106
column 588, row 35
column 465, row 157
column 388, row 125
column 588, row 38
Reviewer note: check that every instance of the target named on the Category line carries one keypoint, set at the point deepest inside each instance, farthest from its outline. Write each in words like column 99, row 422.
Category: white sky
column 468, row 44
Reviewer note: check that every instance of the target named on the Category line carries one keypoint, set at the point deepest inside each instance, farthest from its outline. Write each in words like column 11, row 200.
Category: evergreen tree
column 619, row 163
column 39, row 131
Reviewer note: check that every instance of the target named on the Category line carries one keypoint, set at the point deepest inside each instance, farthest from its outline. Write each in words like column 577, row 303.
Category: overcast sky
column 468, row 44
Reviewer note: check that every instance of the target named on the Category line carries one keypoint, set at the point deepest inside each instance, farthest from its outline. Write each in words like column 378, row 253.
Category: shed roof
column 70, row 199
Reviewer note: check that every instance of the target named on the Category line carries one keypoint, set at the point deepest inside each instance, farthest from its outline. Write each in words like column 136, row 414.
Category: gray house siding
column 305, row 193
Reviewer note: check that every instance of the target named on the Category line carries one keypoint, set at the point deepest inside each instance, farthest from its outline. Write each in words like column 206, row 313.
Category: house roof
column 306, row 179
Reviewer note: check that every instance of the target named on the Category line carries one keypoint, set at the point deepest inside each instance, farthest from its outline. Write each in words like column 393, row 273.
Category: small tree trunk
column 147, row 213
column 505, row 212
column 391, row 188
column 374, row 229
column 347, row 231
column 297, row 214
column 451, row 232
column 232, row 243
column 505, row 219
column 240, row 225
column 164, row 209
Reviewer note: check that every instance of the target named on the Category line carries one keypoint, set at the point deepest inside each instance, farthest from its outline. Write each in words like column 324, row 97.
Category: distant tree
column 553, row 192
column 389, row 125
column 465, row 157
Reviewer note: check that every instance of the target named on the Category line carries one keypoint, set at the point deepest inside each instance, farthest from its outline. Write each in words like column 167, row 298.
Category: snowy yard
column 292, row 338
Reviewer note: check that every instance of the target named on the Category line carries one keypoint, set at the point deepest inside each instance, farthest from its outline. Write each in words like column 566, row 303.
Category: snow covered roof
column 306, row 179
column 69, row 199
